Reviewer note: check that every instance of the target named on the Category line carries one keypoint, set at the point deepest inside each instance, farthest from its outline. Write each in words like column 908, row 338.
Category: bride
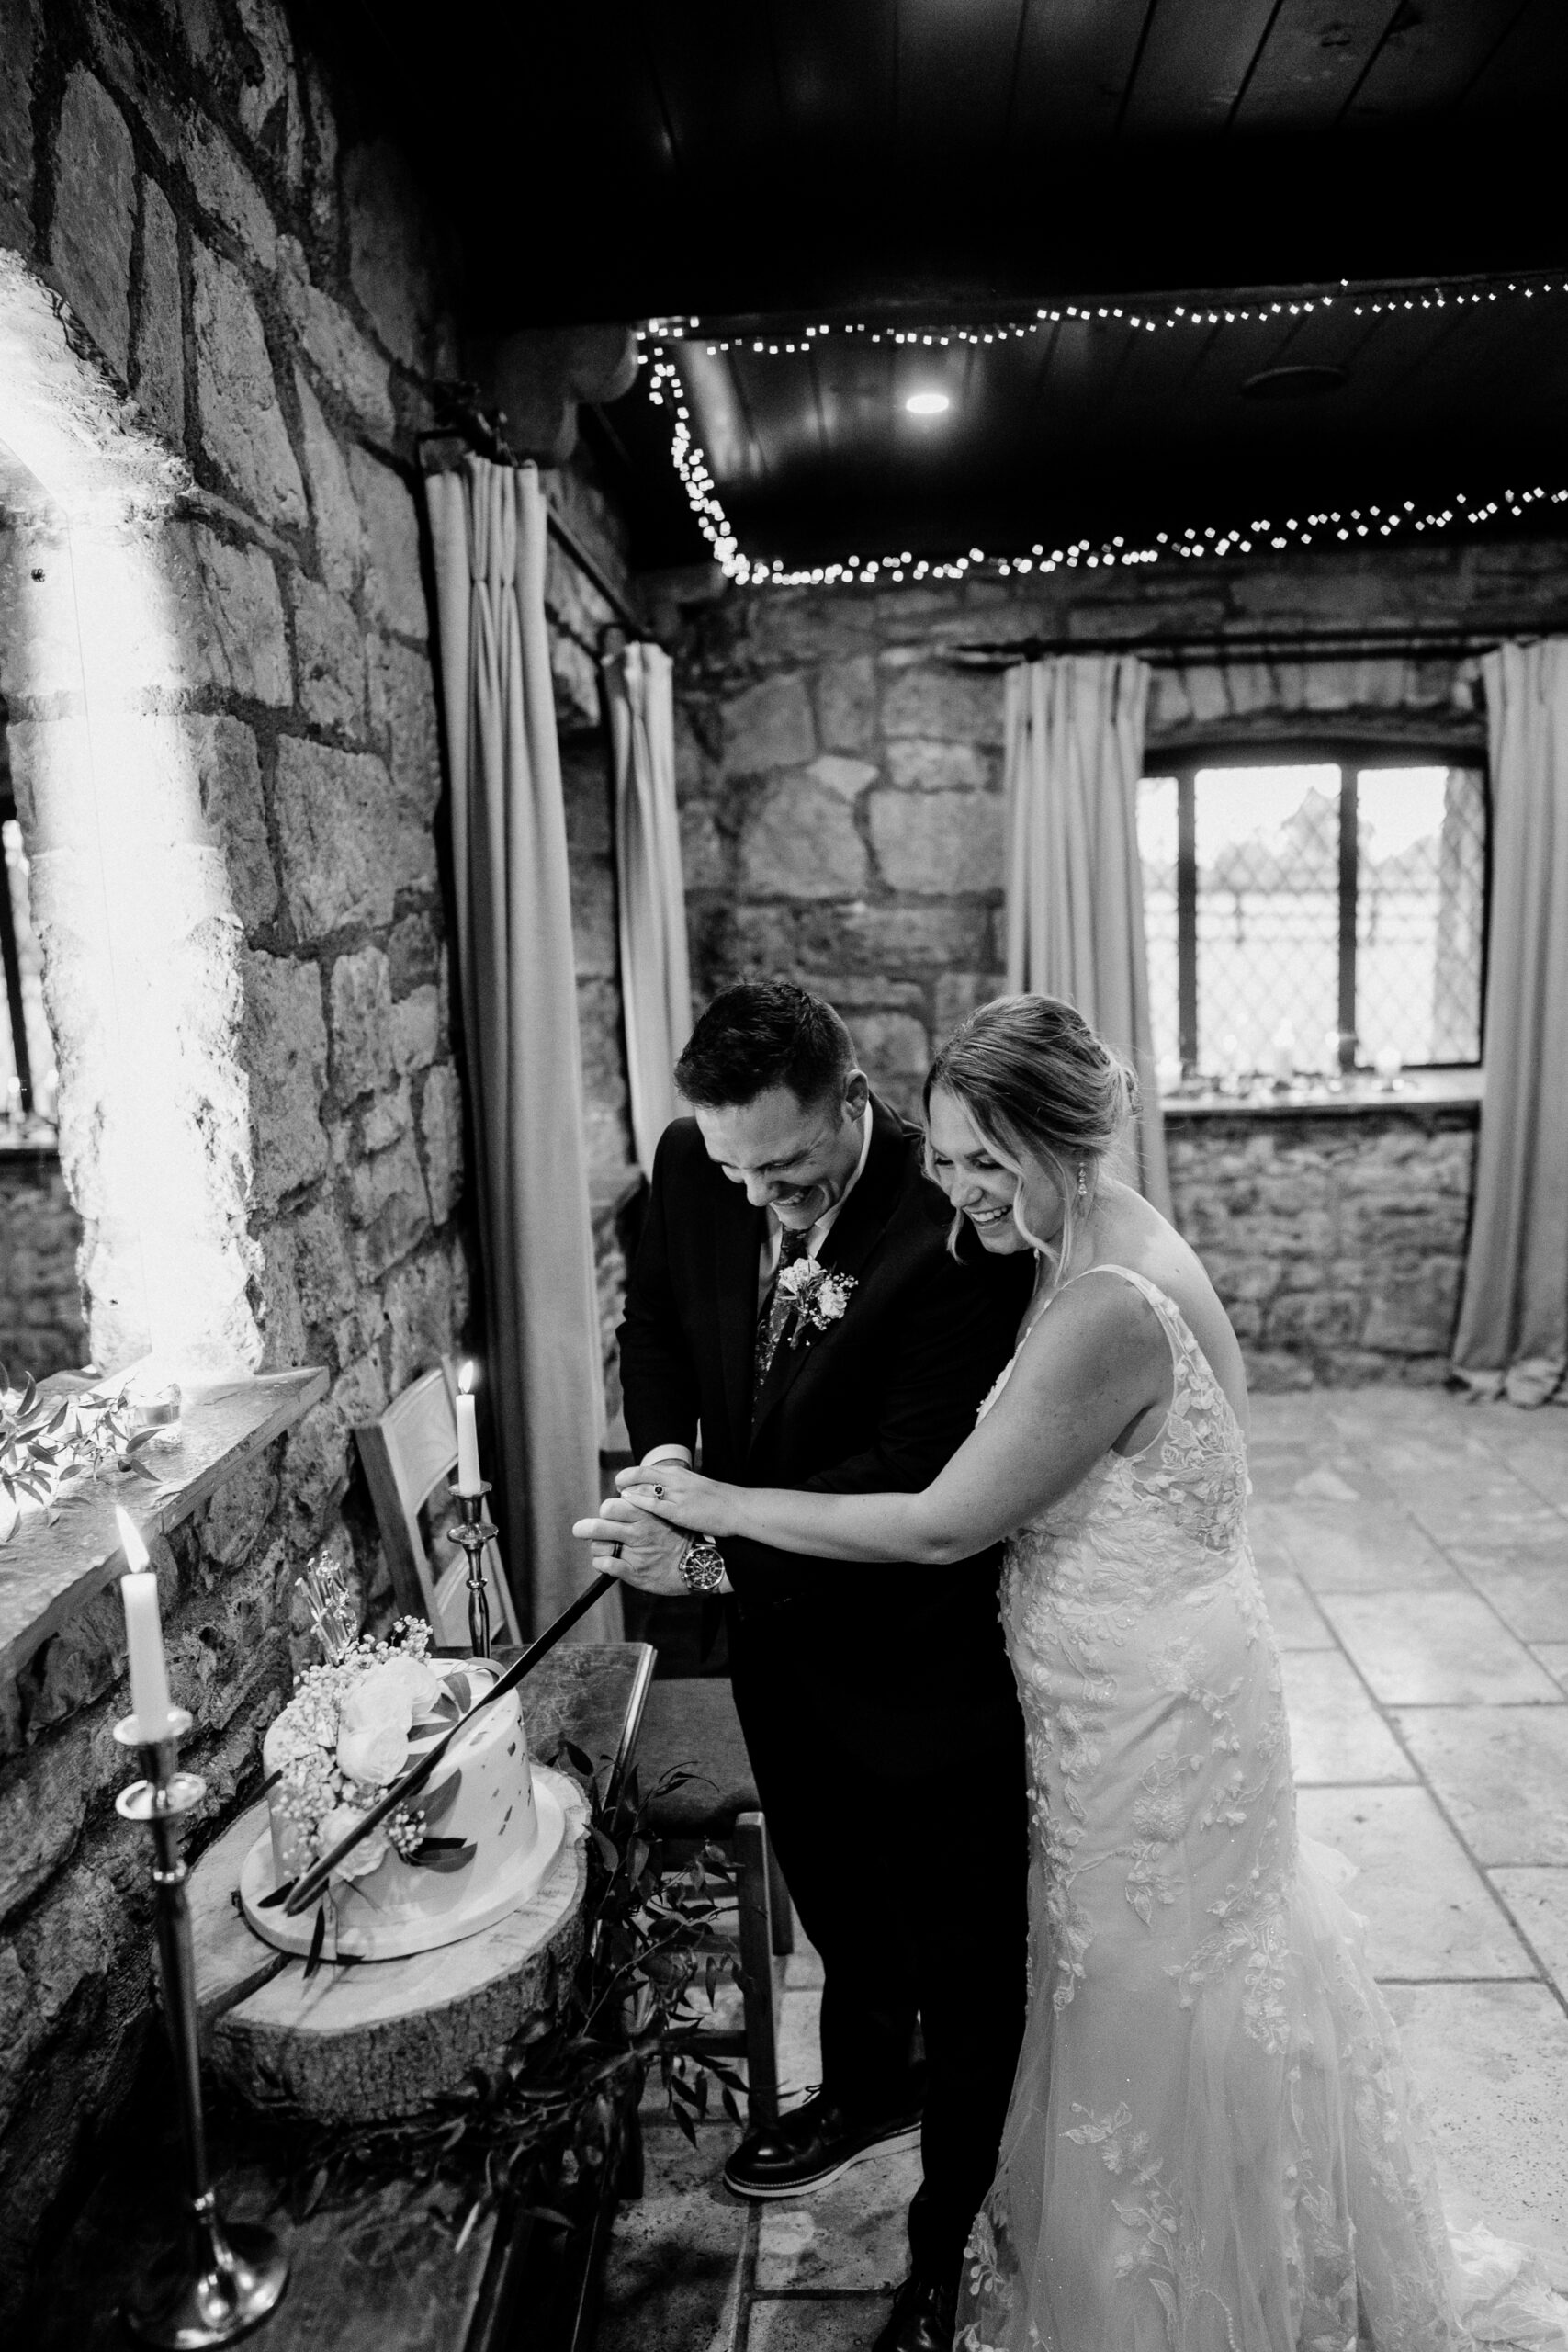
column 1212, row 2143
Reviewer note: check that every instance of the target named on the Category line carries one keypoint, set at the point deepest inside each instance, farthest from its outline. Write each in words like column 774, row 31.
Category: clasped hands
column 659, row 1506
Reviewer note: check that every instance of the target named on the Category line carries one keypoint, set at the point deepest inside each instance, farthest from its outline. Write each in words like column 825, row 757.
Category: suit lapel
column 856, row 1230
column 737, row 1247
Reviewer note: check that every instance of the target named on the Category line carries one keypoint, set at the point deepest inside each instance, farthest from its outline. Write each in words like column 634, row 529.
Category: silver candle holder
column 224, row 2278
column 473, row 1530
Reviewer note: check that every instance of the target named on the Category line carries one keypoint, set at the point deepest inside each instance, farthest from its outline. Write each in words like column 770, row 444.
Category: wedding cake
column 473, row 1843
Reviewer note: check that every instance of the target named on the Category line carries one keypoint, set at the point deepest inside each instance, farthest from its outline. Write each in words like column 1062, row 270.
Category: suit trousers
column 906, row 1849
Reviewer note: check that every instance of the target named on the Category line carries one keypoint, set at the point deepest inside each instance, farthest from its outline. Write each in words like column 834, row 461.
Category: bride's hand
column 668, row 1490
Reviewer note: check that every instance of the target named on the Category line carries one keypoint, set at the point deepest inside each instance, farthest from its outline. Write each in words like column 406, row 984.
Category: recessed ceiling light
column 1299, row 383
column 927, row 403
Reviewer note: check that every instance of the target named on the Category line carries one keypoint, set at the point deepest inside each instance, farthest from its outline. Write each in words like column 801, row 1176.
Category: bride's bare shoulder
column 1133, row 1234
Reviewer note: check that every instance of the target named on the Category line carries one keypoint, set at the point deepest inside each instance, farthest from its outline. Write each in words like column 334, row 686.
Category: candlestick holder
column 223, row 2277
column 473, row 1530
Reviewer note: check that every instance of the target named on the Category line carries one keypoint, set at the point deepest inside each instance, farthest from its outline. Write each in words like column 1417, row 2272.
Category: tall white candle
column 468, row 1478
column 145, row 1637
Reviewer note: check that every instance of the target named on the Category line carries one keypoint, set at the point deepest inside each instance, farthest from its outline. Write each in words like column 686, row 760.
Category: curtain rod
column 1173, row 652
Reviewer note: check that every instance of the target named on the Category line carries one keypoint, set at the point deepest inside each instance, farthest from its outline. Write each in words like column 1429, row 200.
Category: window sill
column 52, row 1566
column 1416, row 1093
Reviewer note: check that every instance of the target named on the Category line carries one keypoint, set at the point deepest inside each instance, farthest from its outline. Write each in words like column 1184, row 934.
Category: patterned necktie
column 775, row 1309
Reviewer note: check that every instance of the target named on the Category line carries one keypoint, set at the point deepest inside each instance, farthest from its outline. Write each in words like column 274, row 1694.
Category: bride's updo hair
column 1040, row 1085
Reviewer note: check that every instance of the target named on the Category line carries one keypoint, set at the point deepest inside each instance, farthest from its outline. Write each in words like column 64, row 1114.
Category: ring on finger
column 615, row 1551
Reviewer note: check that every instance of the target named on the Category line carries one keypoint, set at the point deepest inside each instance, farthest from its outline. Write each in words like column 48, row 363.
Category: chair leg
column 778, row 1898
column 757, row 1965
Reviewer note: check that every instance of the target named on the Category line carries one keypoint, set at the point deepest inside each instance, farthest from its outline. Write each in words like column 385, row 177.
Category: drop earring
column 1083, row 1188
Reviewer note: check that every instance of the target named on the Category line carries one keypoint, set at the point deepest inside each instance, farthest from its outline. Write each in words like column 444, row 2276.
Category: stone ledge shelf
column 52, row 1566
column 1416, row 1090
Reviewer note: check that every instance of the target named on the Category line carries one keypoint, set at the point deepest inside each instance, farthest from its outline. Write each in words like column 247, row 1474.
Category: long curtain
column 519, row 994
column 656, row 986
column 1513, row 1325
column 1075, row 902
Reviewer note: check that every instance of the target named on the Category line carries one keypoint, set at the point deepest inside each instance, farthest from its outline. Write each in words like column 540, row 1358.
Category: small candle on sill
column 470, row 1481
column 145, row 1637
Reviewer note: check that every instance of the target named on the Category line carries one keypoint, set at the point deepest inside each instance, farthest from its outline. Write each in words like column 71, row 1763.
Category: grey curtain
column 519, row 991
column 1513, row 1325
column 1074, row 891
column 656, row 987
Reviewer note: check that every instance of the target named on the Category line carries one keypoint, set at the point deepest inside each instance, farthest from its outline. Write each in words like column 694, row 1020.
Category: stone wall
column 1335, row 1238
column 41, row 1329
column 232, row 292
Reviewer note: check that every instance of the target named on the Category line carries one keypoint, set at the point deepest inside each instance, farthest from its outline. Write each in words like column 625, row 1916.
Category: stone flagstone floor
column 1415, row 1554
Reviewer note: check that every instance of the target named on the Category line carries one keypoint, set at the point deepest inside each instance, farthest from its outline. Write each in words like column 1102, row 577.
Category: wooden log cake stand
column 381, row 2038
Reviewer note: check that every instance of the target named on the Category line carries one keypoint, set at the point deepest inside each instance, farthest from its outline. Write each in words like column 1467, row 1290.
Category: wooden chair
column 410, row 1453
column 692, row 1724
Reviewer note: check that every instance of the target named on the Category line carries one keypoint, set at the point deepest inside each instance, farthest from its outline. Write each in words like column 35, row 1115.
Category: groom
column 795, row 1301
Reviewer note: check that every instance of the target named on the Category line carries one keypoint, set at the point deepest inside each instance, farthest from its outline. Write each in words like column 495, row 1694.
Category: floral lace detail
column 1214, row 2145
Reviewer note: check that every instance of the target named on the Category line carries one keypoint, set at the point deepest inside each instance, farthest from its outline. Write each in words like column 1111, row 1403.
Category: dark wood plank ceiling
column 938, row 160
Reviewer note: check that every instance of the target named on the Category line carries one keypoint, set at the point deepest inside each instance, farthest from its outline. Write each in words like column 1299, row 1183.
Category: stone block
column 394, row 593
column 225, row 190
column 768, row 725
column 387, row 1118
column 847, row 777
column 229, row 778
column 284, row 1339
column 158, row 363
column 340, row 352
column 94, row 214
column 239, row 634
column 40, row 1819
column 895, row 1051
column 419, row 1316
column 402, row 707
column 239, row 1512
column 943, row 705
column 17, row 55
column 328, row 656
column 705, row 851
column 958, row 994
column 318, row 1457
column 389, row 1206
column 416, row 1029
column 389, row 264
column 917, row 766
column 1314, row 1319
column 283, row 1049
column 911, row 938
column 337, row 830
column 242, row 429
column 594, row 946
column 1413, row 1309
column 938, row 842
column 334, row 511
column 322, row 1274
column 441, row 1129
column 414, row 953
column 361, row 992
column 799, row 841
column 846, row 704
column 269, row 103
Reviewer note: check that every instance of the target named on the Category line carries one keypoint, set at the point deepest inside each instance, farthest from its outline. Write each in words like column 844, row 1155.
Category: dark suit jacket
column 879, row 1400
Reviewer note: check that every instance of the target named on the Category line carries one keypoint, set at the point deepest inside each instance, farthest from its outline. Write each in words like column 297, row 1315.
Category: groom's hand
column 649, row 1553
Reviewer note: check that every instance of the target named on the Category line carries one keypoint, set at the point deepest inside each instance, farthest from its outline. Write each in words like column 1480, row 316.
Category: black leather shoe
column 922, row 2318
column 811, row 2146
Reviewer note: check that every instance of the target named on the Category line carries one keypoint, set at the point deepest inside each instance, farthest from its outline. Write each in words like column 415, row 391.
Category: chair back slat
column 410, row 1453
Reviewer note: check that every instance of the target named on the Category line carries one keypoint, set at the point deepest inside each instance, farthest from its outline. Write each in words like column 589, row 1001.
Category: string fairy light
column 1259, row 534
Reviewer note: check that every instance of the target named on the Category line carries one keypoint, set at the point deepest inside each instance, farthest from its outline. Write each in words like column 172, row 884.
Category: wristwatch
column 701, row 1564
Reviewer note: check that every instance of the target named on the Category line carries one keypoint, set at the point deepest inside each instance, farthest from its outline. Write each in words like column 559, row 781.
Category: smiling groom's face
column 794, row 1158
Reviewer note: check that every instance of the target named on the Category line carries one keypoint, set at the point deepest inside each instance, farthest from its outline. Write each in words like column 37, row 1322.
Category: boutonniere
column 817, row 1298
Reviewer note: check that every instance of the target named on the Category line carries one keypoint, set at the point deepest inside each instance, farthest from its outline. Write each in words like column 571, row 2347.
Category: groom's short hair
column 761, row 1034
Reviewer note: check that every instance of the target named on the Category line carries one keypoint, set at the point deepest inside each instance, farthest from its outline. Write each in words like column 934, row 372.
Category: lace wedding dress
column 1212, row 2143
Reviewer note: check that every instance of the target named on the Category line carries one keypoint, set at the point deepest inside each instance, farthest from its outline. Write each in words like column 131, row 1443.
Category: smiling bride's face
column 1000, row 1196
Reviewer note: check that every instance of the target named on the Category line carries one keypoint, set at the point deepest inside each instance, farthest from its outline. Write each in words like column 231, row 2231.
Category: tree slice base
column 383, row 2038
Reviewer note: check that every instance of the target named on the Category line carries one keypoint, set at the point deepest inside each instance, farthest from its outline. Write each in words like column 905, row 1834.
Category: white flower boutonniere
column 817, row 1298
